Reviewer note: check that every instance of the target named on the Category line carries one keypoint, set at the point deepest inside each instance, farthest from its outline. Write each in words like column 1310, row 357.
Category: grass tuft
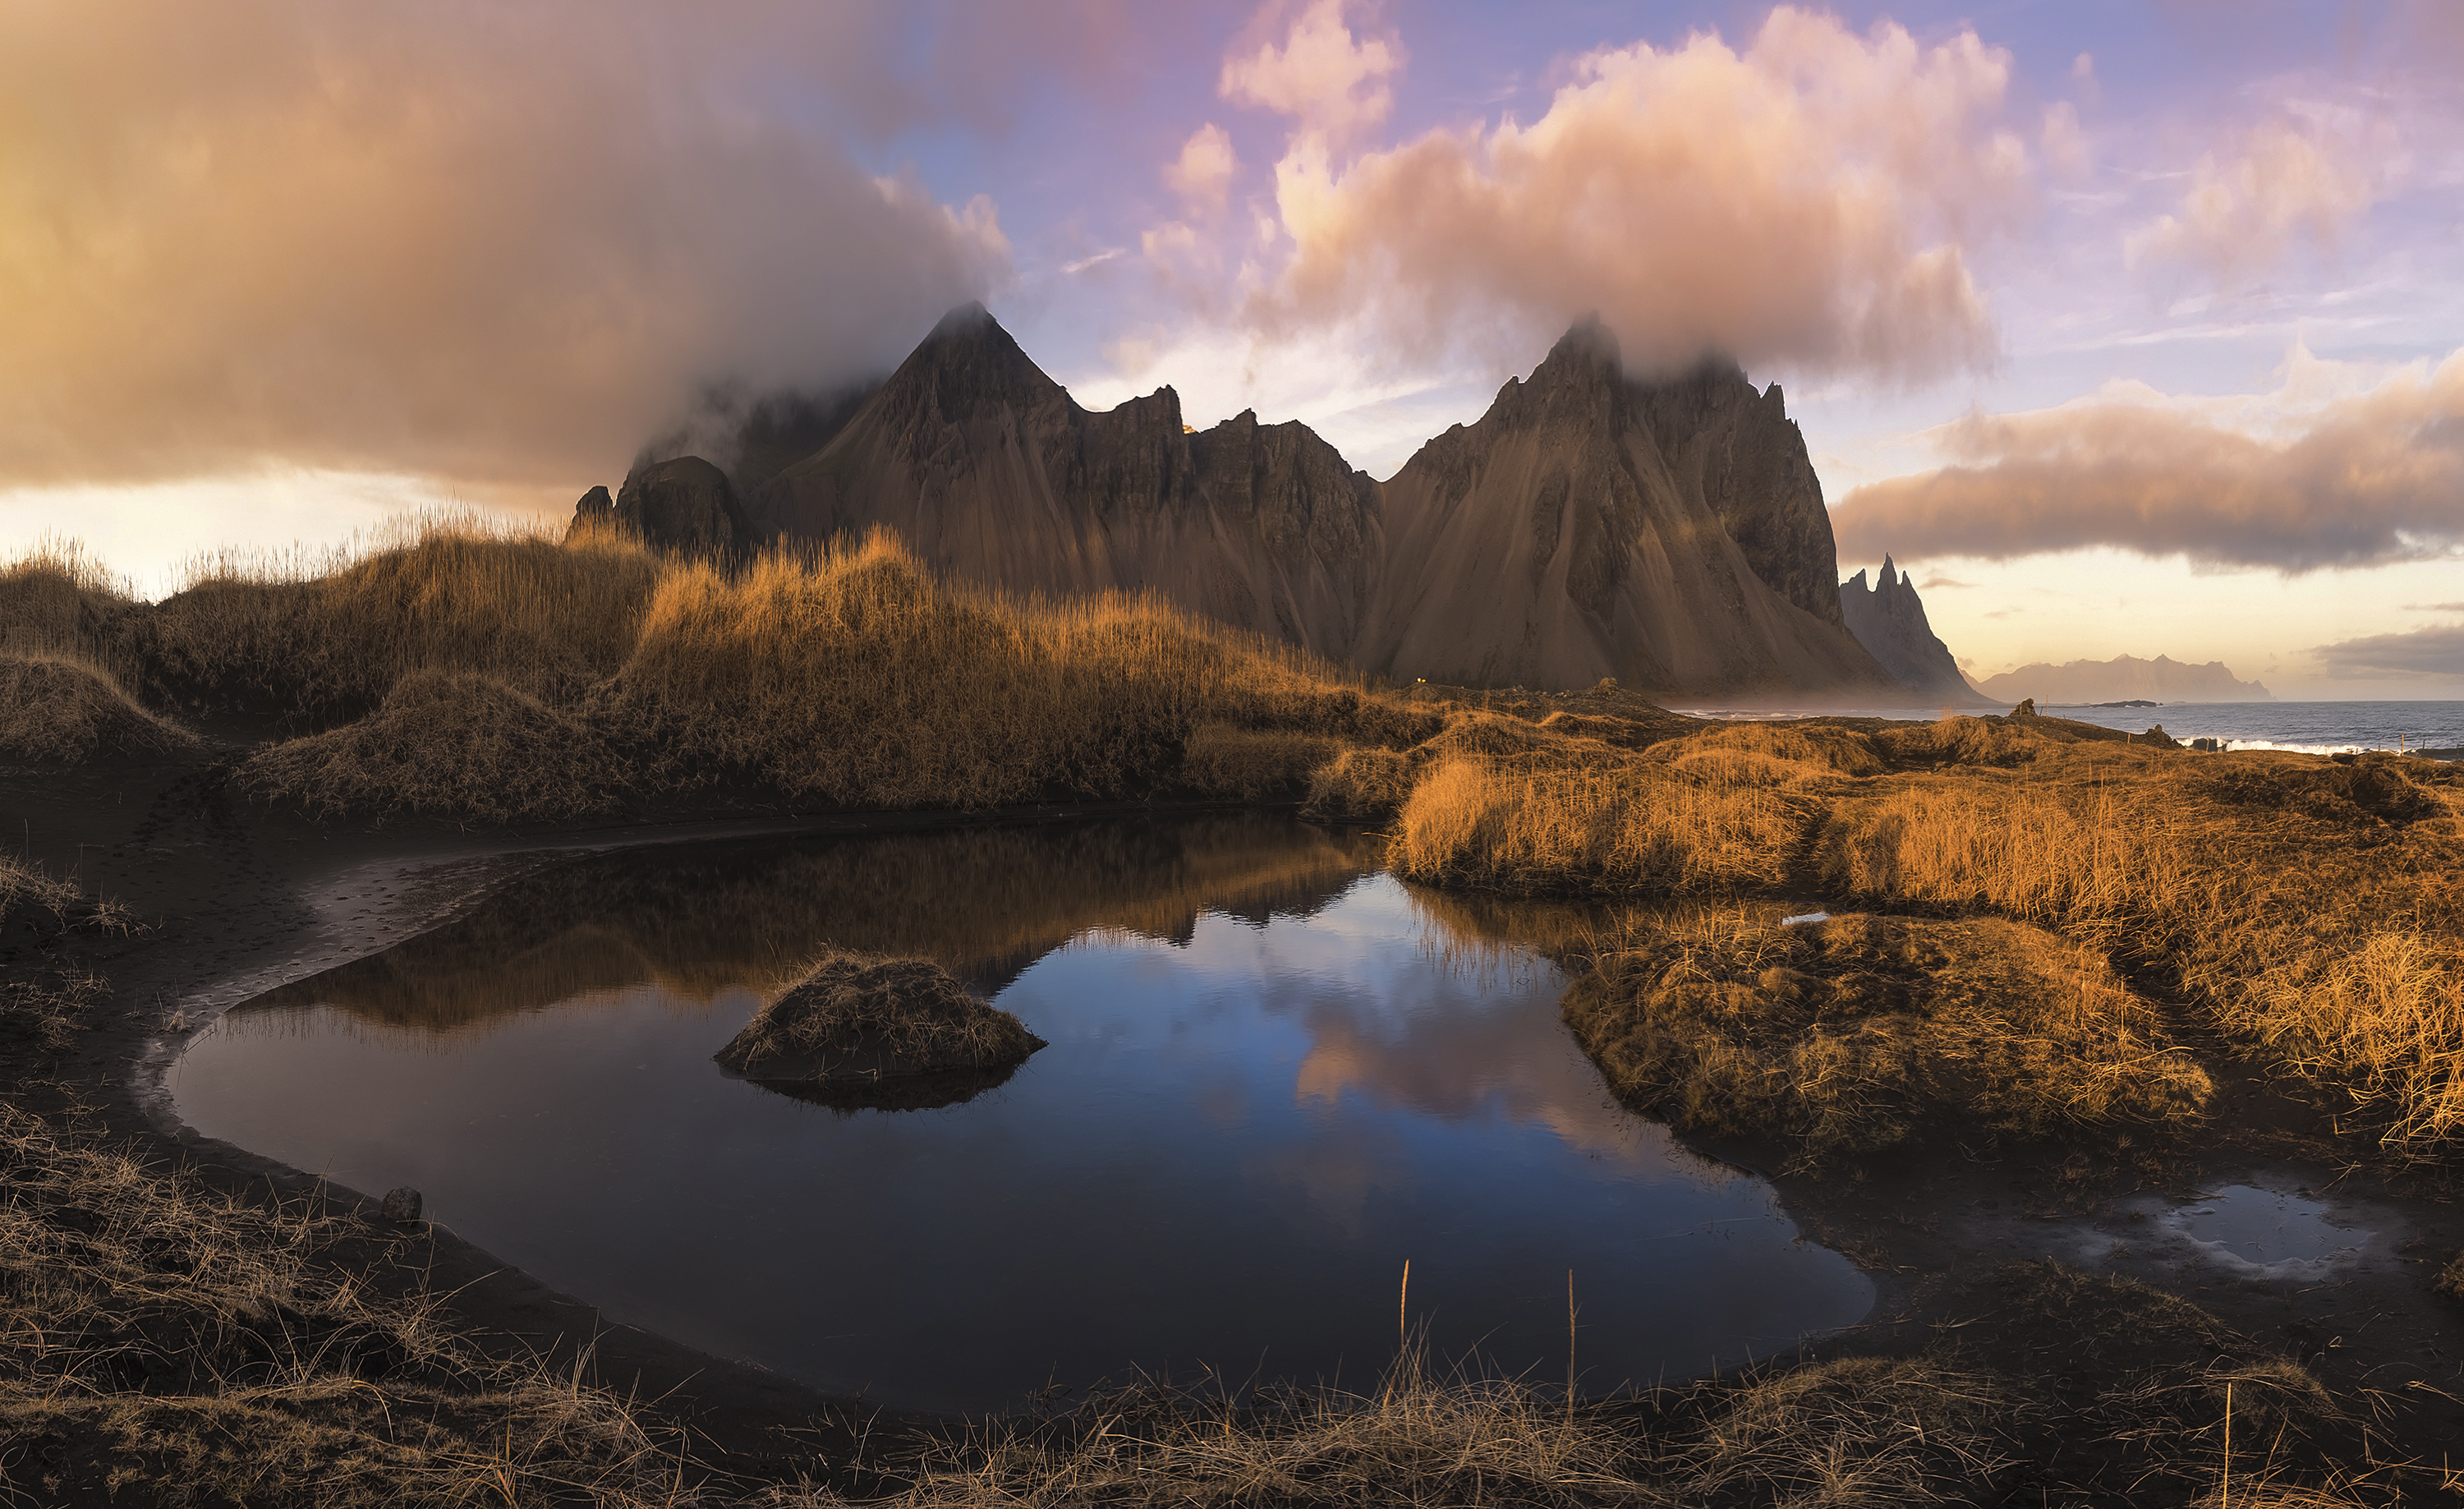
column 857, row 1016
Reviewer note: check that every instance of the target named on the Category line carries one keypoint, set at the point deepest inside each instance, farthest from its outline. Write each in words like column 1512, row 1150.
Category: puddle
column 2248, row 1231
column 1275, row 1073
column 2260, row 1228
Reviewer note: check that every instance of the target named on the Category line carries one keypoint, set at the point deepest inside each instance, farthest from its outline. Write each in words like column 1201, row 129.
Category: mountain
column 1670, row 533
column 2122, row 678
column 992, row 474
column 1889, row 620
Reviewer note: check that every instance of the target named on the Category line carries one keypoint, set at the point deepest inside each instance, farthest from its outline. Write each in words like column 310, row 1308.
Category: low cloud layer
column 2366, row 479
column 2436, row 652
column 1811, row 199
column 468, row 239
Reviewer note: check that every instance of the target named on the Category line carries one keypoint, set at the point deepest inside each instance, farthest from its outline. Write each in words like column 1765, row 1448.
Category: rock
column 2162, row 740
column 1889, row 620
column 685, row 504
column 595, row 507
column 402, row 1205
column 2027, row 708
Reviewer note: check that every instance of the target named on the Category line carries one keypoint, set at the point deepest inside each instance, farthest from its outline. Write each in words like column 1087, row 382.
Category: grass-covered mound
column 2308, row 907
column 450, row 744
column 1854, row 1033
column 856, row 1017
column 57, row 709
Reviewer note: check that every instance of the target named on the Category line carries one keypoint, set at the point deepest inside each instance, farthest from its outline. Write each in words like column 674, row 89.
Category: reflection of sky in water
column 1223, row 1158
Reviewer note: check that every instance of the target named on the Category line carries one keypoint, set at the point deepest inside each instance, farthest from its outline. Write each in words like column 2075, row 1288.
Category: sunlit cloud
column 500, row 243
column 2311, row 476
column 2284, row 181
column 1811, row 198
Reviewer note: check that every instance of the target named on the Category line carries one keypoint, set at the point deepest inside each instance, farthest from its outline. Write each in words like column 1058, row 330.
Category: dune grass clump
column 59, row 709
column 317, row 642
column 1243, row 765
column 57, row 599
column 450, row 744
column 1853, row 1033
column 1632, row 827
column 861, row 1016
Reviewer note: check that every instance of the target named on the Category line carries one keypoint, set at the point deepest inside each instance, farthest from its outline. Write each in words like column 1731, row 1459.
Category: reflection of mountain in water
column 983, row 902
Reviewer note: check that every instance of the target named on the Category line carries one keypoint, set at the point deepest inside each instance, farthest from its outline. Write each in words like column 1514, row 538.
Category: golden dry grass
column 861, row 1013
column 58, row 708
column 1630, row 827
column 2309, row 908
column 850, row 678
column 160, row 1344
column 451, row 743
column 1853, row 1033
column 326, row 640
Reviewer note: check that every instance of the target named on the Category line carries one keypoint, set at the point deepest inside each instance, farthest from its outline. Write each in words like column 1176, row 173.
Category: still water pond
column 1275, row 1075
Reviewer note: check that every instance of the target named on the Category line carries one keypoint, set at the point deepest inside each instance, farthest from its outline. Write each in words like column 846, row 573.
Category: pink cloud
column 1810, row 199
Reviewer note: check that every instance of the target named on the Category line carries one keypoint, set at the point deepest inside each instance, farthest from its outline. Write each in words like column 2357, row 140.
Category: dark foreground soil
column 234, row 902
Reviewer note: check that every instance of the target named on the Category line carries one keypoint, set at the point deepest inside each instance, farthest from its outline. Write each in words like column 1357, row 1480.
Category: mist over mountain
column 2122, row 678
column 1889, row 620
column 1669, row 532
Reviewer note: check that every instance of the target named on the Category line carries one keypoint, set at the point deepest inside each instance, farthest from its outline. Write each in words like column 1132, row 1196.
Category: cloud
column 1811, row 199
column 1204, row 168
column 466, row 239
column 1332, row 82
column 2434, row 607
column 2282, row 180
column 2435, row 652
column 2364, row 478
column 2064, row 143
column 1948, row 582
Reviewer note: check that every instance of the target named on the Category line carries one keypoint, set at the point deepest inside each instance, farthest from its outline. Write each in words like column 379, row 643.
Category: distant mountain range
column 1670, row 533
column 2123, row 677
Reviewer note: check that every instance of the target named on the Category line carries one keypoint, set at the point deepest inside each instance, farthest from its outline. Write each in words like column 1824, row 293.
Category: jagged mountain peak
column 970, row 360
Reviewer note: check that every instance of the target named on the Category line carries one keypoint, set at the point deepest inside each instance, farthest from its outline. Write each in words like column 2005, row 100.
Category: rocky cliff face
column 683, row 505
column 1590, row 525
column 1668, row 533
column 992, row 474
column 1889, row 620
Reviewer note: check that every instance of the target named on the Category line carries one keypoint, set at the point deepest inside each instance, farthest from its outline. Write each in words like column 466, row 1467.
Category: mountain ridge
column 1667, row 531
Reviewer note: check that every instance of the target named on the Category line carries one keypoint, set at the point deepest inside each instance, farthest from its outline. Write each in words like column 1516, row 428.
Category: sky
column 2123, row 327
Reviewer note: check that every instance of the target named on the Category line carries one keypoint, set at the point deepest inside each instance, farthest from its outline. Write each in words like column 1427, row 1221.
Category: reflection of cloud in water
column 1398, row 1019
column 1337, row 1174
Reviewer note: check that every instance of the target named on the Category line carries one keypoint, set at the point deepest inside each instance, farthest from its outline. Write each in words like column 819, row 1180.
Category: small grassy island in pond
column 860, row 1032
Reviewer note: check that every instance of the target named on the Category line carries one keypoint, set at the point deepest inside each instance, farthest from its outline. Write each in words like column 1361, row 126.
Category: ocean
column 2313, row 727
